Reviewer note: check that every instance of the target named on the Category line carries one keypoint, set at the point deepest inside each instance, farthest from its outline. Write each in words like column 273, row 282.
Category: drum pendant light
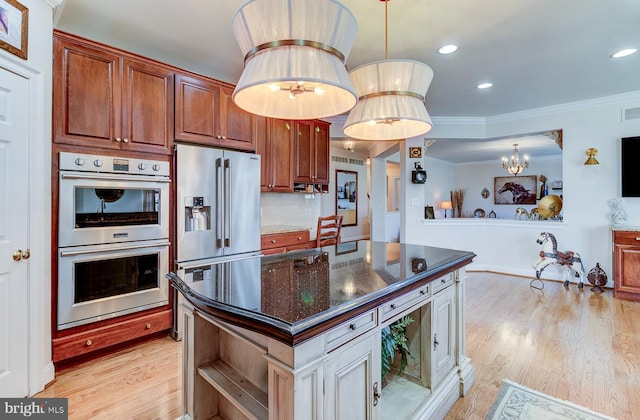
column 391, row 96
column 294, row 58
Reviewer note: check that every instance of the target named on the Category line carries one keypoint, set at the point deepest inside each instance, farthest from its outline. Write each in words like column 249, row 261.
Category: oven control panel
column 112, row 164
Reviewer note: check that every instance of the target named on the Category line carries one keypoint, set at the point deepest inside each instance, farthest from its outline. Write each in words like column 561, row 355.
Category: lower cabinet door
column 443, row 334
column 352, row 380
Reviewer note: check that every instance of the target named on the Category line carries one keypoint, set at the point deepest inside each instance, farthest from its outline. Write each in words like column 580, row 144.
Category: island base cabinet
column 231, row 372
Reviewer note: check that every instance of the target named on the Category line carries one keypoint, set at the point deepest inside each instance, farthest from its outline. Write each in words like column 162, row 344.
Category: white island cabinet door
column 443, row 334
column 352, row 380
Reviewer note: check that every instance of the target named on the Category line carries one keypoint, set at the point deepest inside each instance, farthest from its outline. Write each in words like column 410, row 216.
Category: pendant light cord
column 386, row 29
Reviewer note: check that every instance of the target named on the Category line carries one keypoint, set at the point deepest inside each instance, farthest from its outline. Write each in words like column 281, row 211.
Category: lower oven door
column 105, row 281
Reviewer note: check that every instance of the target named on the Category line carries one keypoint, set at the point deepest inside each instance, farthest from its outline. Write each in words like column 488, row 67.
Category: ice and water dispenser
column 197, row 214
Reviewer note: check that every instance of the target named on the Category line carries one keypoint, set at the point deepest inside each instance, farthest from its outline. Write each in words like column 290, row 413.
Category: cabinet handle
column 118, row 139
column 148, row 326
column 423, row 292
column 435, row 341
column 443, row 281
column 299, row 238
column 273, row 241
column 638, row 238
column 392, row 306
column 125, row 140
column 352, row 327
column 376, row 394
column 224, row 137
column 89, row 342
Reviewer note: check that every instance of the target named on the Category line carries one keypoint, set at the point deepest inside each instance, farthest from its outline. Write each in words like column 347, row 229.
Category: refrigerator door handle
column 219, row 209
column 227, row 202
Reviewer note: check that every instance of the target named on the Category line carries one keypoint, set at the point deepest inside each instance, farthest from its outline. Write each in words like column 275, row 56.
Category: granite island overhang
column 345, row 281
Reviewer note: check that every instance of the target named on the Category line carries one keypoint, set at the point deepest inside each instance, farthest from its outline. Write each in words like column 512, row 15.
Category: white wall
column 37, row 69
column 509, row 246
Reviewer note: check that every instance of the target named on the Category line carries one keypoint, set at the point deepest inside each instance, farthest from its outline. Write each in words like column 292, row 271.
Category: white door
column 14, row 231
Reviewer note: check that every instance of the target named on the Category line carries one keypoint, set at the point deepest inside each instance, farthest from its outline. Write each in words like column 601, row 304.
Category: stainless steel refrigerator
column 218, row 203
column 218, row 223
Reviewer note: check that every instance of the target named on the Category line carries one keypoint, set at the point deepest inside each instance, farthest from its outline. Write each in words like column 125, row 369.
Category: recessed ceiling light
column 484, row 85
column 624, row 53
column 448, row 49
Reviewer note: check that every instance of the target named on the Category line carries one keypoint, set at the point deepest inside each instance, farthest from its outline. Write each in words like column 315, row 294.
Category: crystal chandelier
column 349, row 145
column 515, row 166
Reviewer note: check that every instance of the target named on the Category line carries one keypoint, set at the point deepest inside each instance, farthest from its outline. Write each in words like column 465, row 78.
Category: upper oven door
column 109, row 208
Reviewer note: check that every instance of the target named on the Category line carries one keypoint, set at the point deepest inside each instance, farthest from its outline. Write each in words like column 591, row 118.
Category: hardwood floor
column 574, row 345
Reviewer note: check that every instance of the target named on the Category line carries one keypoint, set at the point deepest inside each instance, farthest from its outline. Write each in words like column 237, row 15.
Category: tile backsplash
column 290, row 209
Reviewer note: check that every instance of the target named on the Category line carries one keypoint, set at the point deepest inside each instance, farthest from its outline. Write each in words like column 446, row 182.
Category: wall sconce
column 419, row 176
column 591, row 159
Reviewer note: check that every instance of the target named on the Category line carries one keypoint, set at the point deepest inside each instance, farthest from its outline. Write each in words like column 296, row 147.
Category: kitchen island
column 298, row 335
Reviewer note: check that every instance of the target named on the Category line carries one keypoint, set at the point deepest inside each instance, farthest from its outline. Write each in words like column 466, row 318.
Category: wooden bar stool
column 328, row 232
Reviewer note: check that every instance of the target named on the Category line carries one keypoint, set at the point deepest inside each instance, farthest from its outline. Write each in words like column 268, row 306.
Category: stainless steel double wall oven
column 113, row 237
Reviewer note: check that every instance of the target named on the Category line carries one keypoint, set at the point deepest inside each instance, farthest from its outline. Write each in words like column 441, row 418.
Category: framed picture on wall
column 14, row 27
column 428, row 212
column 515, row 189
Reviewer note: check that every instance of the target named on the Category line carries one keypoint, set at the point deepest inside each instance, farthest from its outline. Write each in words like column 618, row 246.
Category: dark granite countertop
column 292, row 297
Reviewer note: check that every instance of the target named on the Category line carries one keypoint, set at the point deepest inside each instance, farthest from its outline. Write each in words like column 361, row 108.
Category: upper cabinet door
column 238, row 127
column 196, row 109
column 321, row 131
column 304, row 154
column 147, row 107
column 206, row 114
column 86, row 95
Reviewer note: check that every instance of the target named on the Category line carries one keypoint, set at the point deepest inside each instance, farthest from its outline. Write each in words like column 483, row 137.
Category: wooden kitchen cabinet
column 275, row 146
column 107, row 98
column 311, row 152
column 626, row 258
column 278, row 243
column 205, row 114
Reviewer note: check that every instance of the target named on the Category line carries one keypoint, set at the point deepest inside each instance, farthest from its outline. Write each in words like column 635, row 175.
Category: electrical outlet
column 415, row 202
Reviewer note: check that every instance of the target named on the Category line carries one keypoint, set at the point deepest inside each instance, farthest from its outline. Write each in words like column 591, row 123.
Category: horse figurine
column 521, row 195
column 533, row 214
column 549, row 254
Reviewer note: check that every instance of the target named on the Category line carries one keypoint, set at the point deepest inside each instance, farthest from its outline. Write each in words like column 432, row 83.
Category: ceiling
column 535, row 52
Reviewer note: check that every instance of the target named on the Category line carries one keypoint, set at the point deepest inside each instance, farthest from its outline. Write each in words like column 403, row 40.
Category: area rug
column 517, row 402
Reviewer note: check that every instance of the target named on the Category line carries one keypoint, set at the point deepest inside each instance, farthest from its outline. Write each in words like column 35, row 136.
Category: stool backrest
column 328, row 232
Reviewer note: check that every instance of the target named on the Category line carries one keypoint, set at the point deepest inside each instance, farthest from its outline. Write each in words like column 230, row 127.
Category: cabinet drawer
column 288, row 239
column 626, row 238
column 99, row 338
column 351, row 329
column 406, row 301
column 442, row 283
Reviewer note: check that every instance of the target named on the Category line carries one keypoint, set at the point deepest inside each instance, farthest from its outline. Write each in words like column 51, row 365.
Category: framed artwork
column 515, row 189
column 428, row 212
column 415, row 152
column 14, row 31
